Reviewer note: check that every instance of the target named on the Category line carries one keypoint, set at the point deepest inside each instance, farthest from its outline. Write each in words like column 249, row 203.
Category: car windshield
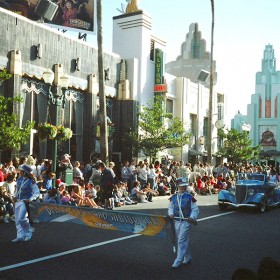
column 250, row 176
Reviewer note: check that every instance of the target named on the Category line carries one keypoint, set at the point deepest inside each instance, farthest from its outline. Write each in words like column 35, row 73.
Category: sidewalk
column 161, row 202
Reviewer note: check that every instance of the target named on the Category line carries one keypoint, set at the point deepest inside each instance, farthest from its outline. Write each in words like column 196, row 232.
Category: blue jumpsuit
column 26, row 190
column 182, row 205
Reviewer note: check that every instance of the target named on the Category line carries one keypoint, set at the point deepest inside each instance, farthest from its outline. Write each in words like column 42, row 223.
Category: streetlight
column 209, row 144
column 57, row 98
column 246, row 127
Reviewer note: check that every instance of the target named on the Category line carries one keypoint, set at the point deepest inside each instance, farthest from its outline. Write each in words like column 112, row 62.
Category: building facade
column 263, row 111
column 29, row 48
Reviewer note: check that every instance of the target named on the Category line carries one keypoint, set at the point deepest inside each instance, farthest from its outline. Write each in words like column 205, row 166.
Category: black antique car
column 251, row 190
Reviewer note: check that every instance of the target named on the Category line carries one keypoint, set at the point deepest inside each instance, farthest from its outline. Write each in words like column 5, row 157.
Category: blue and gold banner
column 150, row 225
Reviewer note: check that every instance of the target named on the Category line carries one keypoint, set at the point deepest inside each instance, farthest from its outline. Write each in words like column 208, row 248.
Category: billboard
column 65, row 14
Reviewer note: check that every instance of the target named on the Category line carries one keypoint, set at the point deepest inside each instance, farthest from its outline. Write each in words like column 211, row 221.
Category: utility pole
column 210, row 110
column 102, row 97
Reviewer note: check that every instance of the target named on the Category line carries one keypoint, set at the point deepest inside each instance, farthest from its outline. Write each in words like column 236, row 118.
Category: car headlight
column 250, row 192
column 231, row 191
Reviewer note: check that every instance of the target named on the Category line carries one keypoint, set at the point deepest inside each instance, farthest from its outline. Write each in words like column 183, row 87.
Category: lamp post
column 246, row 127
column 209, row 144
column 56, row 96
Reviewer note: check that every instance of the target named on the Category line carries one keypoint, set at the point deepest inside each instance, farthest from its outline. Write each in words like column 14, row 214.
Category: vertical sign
column 159, row 87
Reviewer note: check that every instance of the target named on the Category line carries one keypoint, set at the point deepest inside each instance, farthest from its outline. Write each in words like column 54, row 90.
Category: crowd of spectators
column 96, row 185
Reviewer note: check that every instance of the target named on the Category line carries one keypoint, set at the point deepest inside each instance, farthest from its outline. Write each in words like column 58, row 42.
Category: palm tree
column 102, row 97
column 210, row 112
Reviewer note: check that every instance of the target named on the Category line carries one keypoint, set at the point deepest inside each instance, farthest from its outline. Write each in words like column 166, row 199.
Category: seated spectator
column 91, row 193
column 48, row 180
column 80, row 199
column 137, row 194
column 61, row 188
column 66, row 199
column 161, row 182
column 123, row 189
column 200, row 186
column 149, row 192
column 191, row 189
column 52, row 196
column 6, row 205
column 117, row 197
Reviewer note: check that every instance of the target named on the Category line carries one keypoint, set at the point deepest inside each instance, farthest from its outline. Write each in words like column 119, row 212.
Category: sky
column 242, row 30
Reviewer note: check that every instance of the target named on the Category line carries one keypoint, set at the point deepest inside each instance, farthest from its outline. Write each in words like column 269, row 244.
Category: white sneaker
column 176, row 264
column 144, row 201
column 6, row 220
column 18, row 239
column 28, row 236
column 187, row 261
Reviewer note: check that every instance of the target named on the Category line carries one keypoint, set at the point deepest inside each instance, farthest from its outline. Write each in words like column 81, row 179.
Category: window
column 169, row 106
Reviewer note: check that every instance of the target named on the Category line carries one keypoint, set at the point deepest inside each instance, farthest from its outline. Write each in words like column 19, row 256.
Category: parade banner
column 150, row 225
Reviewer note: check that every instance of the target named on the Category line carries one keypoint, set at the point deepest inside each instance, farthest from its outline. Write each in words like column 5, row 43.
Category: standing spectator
column 133, row 171
column 152, row 176
column 9, row 168
column 10, row 185
column 182, row 170
column 111, row 168
column 183, row 211
column 26, row 191
column 32, row 163
column 95, row 175
column 143, row 175
column 126, row 174
column 77, row 173
column 63, row 165
column 106, row 185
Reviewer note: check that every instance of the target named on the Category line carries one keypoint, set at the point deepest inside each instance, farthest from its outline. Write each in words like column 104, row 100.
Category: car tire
column 223, row 207
column 262, row 205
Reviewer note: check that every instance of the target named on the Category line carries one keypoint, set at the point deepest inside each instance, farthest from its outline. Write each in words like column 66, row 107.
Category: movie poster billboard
column 65, row 14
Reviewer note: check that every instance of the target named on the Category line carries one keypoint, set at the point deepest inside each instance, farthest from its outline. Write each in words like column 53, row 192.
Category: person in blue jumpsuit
column 183, row 211
column 26, row 191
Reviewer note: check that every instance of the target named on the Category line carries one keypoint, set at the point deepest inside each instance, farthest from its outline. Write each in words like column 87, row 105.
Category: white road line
column 67, row 252
column 215, row 216
column 90, row 246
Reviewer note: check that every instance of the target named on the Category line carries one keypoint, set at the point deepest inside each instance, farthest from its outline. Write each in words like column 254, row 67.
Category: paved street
column 220, row 244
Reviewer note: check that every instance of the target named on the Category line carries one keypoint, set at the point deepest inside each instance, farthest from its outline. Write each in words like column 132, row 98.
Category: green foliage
column 63, row 133
column 11, row 135
column 48, row 131
column 4, row 75
column 158, row 130
column 237, row 147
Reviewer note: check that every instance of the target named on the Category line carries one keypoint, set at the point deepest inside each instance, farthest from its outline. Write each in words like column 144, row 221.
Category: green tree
column 158, row 130
column 12, row 137
column 237, row 146
column 4, row 75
